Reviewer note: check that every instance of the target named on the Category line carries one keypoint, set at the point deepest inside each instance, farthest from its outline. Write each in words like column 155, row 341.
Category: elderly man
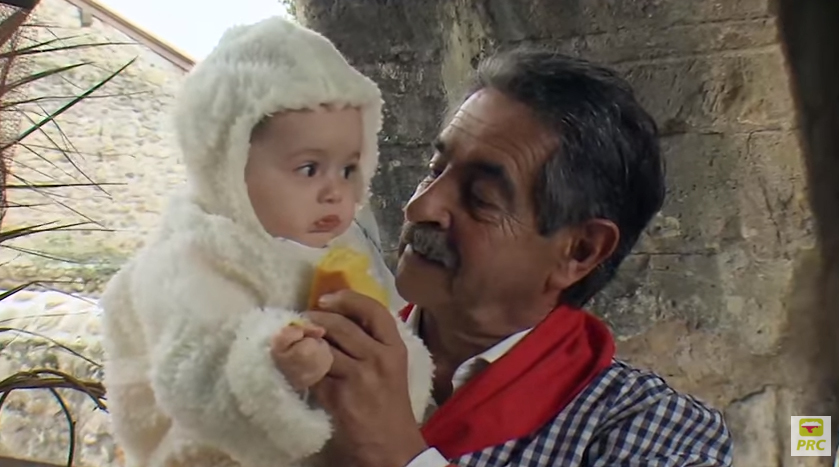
column 539, row 186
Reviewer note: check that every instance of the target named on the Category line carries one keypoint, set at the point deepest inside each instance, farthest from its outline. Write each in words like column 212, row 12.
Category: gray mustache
column 433, row 244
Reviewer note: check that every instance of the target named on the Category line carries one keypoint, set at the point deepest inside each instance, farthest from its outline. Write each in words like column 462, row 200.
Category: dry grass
column 53, row 380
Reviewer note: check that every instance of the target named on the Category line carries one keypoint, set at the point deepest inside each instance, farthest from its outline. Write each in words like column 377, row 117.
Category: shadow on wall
column 811, row 37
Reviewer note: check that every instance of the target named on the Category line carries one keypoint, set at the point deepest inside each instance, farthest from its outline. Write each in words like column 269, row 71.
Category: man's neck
column 449, row 348
column 452, row 338
column 452, row 345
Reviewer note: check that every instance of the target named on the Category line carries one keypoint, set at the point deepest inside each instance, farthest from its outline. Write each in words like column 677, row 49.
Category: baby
column 279, row 138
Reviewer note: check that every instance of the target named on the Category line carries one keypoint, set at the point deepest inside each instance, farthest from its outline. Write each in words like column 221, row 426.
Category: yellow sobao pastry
column 344, row 268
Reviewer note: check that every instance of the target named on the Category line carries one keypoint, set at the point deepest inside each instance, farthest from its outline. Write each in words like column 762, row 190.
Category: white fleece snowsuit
column 188, row 321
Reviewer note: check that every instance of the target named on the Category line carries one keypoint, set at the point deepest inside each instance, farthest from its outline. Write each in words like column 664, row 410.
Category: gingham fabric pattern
column 625, row 418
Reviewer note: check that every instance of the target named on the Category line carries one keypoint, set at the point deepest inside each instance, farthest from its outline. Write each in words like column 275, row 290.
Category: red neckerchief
column 526, row 388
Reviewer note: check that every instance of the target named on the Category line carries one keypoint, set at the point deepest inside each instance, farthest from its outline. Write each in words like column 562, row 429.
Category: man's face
column 470, row 235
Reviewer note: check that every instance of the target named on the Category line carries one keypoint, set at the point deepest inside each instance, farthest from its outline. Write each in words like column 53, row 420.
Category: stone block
column 654, row 288
column 721, row 254
column 413, row 101
column 402, row 169
column 395, row 77
column 466, row 40
column 725, row 189
column 369, row 32
column 650, row 43
column 412, row 119
column 738, row 92
column 511, row 20
column 754, row 430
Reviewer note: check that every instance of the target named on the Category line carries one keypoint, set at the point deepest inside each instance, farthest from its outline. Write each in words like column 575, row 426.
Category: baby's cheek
column 347, row 215
column 350, row 206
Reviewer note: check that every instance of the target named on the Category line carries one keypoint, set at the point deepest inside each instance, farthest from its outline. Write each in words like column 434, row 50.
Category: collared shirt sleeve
column 429, row 458
column 675, row 431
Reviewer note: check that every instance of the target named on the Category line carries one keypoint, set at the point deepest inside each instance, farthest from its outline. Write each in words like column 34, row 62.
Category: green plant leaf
column 36, row 48
column 52, row 198
column 51, row 341
column 19, row 232
column 68, row 106
column 60, row 185
column 15, row 290
column 6, row 88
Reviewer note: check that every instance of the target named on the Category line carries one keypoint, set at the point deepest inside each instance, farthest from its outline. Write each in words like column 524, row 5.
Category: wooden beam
column 143, row 37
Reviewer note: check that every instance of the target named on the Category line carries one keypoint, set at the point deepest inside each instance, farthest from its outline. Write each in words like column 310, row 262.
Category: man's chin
column 418, row 278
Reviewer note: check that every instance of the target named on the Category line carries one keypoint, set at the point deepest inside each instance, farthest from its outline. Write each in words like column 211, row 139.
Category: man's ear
column 579, row 249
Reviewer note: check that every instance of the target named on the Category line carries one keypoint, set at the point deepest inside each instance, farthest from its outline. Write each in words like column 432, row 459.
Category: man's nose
column 430, row 203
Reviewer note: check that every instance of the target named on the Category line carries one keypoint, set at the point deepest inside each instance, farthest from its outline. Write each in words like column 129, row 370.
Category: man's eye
column 434, row 171
column 477, row 196
column 479, row 201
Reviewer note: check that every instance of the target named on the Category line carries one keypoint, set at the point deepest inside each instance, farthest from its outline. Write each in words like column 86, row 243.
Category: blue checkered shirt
column 625, row 418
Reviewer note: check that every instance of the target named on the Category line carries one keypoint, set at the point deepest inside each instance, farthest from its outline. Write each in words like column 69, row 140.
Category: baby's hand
column 301, row 354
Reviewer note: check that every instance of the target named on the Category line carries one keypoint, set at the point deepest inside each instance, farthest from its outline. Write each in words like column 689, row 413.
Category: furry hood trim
column 255, row 71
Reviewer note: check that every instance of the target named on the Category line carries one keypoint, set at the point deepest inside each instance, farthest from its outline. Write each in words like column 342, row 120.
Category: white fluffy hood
column 255, row 71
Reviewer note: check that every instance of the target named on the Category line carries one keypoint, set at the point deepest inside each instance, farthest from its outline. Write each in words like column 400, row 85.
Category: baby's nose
column 331, row 192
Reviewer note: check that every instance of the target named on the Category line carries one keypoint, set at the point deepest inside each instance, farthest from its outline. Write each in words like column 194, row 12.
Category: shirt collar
column 472, row 366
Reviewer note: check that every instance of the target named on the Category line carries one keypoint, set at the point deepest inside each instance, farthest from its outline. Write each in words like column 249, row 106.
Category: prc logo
column 811, row 427
column 810, row 436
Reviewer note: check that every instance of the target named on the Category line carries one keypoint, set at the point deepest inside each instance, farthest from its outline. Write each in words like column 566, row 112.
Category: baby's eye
column 349, row 170
column 308, row 170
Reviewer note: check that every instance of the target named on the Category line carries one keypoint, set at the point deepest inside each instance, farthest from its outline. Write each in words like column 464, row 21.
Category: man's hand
column 366, row 390
column 301, row 354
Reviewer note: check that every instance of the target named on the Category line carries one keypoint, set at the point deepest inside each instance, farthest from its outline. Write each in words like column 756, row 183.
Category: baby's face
column 302, row 173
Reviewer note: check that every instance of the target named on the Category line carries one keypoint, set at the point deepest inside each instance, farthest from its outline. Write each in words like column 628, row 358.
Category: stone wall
column 120, row 136
column 720, row 295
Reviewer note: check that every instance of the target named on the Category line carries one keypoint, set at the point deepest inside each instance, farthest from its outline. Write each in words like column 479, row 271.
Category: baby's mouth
column 326, row 224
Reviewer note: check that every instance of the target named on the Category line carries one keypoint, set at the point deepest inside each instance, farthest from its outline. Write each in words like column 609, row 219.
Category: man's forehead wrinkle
column 498, row 138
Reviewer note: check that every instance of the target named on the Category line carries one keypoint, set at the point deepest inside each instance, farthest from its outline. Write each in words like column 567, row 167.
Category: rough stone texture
column 120, row 136
column 32, row 424
column 747, row 418
column 720, row 294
